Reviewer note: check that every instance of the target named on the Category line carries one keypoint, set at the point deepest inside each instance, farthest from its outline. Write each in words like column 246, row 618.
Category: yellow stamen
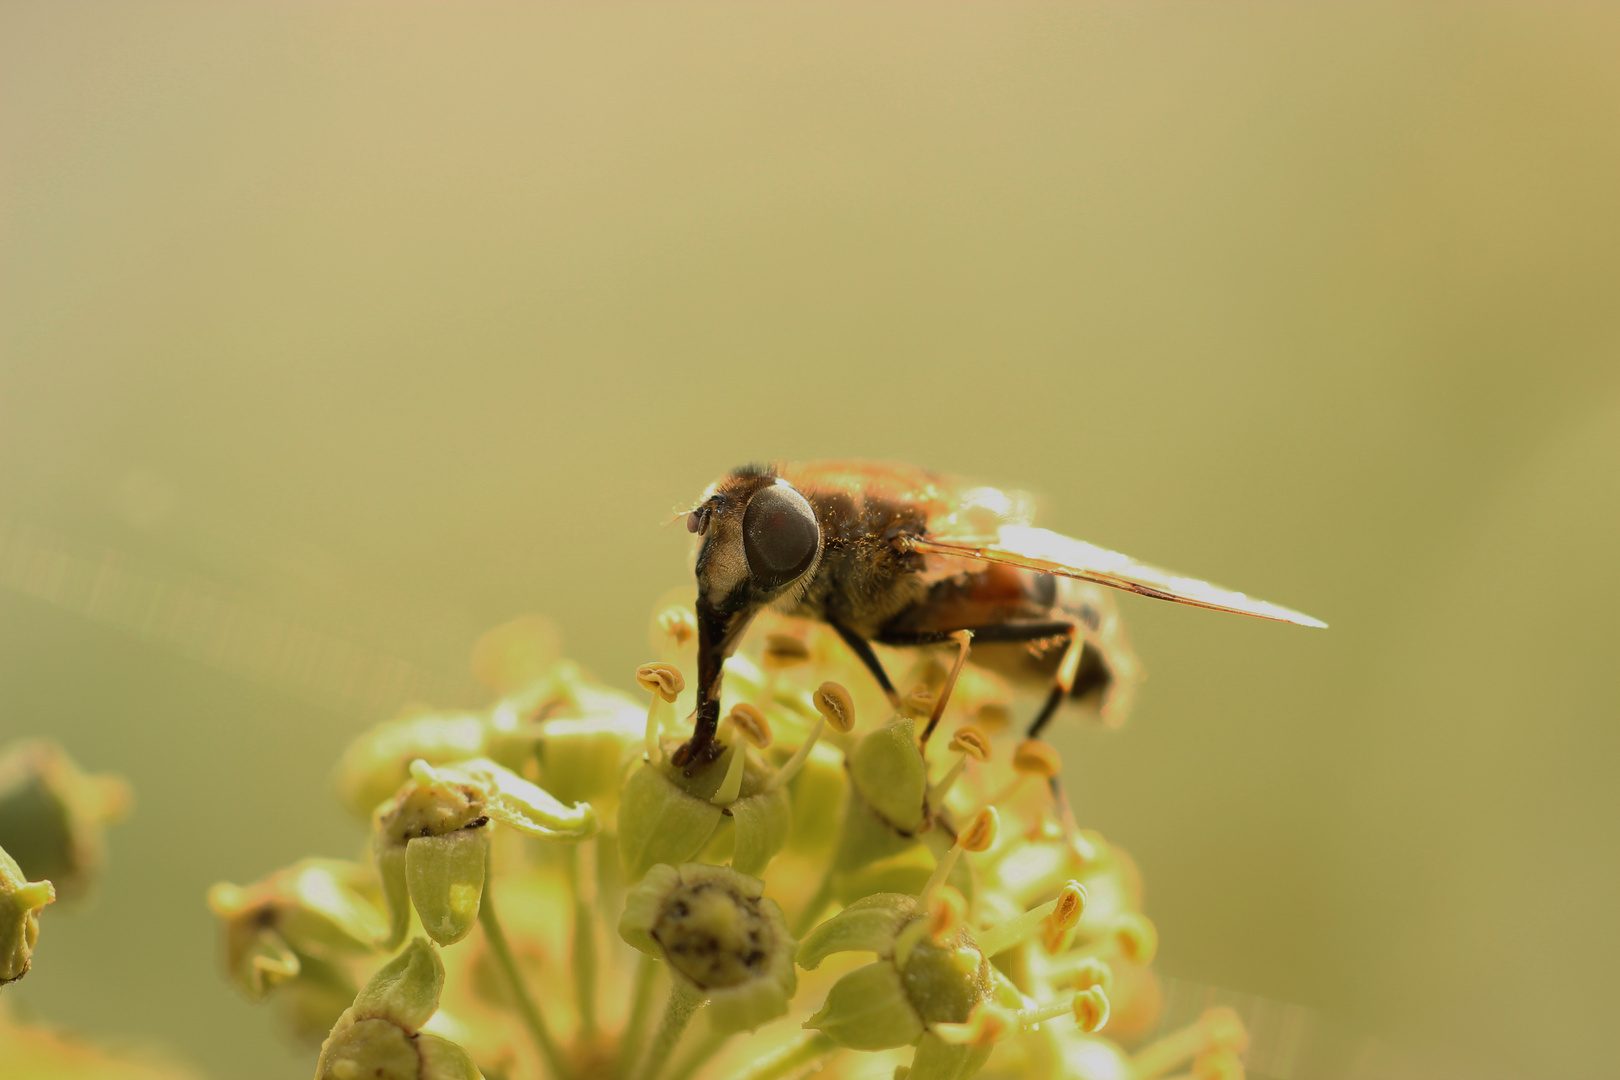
column 1036, row 758
column 947, row 911
column 1091, row 1009
column 978, row 836
column 1084, row 973
column 751, row 724
column 981, row 831
column 985, row 1025
column 665, row 683
column 998, row 939
column 968, row 742
column 833, row 702
column 665, row 680
column 791, row 767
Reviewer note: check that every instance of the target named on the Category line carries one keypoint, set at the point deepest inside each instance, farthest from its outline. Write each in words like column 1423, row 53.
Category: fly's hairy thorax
column 863, row 579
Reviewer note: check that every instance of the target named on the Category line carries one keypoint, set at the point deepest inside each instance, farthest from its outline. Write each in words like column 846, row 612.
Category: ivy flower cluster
column 845, row 889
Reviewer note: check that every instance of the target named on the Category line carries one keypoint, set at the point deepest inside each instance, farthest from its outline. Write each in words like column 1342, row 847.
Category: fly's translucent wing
column 1053, row 553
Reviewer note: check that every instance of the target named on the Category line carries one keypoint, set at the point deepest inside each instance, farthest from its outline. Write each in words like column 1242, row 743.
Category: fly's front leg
column 718, row 632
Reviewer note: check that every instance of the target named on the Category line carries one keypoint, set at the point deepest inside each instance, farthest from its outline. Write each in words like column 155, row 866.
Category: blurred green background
column 333, row 334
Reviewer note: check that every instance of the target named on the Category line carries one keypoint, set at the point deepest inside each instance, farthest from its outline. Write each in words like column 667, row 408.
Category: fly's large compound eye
column 780, row 536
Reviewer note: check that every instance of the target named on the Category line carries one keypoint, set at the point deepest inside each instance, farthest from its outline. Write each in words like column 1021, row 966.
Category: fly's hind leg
column 1073, row 648
column 1063, row 685
column 1063, row 631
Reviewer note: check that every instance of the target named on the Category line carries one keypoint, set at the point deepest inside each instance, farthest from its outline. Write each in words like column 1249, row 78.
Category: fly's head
column 759, row 541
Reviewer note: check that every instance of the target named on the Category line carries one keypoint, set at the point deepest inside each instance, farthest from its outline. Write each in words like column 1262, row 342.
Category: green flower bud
column 405, row 991
column 884, row 809
column 314, row 909
column 380, row 1036
column 520, row 721
column 20, row 904
column 445, row 878
column 938, row 984
column 52, row 815
column 889, row 1003
column 431, row 841
column 379, row 761
column 660, row 822
column 888, row 772
column 583, row 759
column 721, row 938
column 447, row 875
column 516, row 654
column 668, row 817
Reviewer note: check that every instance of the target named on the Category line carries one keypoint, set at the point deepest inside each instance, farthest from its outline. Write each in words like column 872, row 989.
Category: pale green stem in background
column 941, row 872
column 937, row 792
column 550, row 1052
column 582, row 874
column 818, row 903
column 699, row 1056
column 635, row 1025
column 1003, row 936
column 791, row 1059
column 684, row 1002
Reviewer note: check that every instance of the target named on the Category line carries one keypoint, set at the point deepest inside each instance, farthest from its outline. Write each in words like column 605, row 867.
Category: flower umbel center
column 713, row 936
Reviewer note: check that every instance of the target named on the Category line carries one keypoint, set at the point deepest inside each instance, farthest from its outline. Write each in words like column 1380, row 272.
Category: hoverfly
column 893, row 554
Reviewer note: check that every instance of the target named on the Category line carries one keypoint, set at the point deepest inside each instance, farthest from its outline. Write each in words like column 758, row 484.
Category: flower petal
column 867, row 925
